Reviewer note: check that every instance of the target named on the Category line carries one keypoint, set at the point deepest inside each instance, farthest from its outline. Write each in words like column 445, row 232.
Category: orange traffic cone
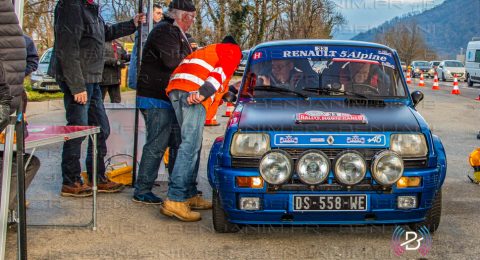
column 229, row 110
column 409, row 77
column 455, row 90
column 421, row 83
column 478, row 98
column 435, row 82
column 211, row 122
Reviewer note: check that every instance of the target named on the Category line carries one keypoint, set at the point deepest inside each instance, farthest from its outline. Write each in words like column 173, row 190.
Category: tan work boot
column 198, row 202
column 180, row 210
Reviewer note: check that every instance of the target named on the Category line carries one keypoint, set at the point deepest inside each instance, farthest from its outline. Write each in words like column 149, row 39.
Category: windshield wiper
column 279, row 89
column 329, row 90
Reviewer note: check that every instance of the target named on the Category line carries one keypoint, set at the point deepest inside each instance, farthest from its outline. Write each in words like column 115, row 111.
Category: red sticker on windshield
column 330, row 117
column 257, row 55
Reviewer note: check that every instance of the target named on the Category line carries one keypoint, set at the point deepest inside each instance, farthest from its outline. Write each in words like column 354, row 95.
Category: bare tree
column 38, row 22
column 408, row 41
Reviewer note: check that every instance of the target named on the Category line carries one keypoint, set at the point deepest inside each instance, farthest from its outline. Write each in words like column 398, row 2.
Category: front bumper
column 451, row 77
column 277, row 207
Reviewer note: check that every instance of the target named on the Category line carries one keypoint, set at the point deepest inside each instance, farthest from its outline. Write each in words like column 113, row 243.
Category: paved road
column 131, row 231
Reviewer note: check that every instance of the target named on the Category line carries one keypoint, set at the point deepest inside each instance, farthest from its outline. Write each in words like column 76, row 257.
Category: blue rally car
column 326, row 133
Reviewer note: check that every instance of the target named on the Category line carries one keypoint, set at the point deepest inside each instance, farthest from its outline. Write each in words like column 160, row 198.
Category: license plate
column 52, row 87
column 330, row 202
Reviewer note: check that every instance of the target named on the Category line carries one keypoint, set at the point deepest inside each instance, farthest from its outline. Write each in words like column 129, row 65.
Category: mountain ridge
column 446, row 27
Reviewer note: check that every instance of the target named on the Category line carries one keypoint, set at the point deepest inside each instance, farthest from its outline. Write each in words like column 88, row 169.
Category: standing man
column 132, row 67
column 80, row 35
column 12, row 72
column 32, row 55
column 115, row 58
column 165, row 48
column 202, row 76
column 32, row 65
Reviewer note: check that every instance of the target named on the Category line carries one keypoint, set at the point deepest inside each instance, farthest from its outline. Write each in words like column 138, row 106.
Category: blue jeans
column 182, row 183
column 162, row 132
column 93, row 114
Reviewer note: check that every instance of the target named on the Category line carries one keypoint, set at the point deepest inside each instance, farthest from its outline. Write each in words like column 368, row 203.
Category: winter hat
column 184, row 5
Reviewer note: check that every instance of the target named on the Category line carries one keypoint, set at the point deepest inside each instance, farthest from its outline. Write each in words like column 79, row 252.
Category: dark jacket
column 114, row 62
column 80, row 34
column 12, row 53
column 32, row 55
column 132, row 67
column 5, row 98
column 164, row 49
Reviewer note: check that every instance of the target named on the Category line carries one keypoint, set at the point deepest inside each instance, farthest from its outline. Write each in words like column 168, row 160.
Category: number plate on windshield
column 329, row 202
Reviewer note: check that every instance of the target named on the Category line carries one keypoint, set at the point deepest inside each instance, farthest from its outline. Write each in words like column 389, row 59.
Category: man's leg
column 114, row 93
column 174, row 143
column 98, row 117
column 158, row 125
column 104, row 91
column 77, row 115
column 190, row 119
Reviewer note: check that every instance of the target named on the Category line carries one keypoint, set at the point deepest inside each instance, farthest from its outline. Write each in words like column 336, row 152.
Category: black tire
column 220, row 221
column 434, row 214
column 469, row 81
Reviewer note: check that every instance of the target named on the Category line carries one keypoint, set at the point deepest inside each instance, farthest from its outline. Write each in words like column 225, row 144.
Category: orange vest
column 213, row 65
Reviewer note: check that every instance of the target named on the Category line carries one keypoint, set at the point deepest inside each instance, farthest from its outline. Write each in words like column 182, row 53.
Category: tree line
column 249, row 21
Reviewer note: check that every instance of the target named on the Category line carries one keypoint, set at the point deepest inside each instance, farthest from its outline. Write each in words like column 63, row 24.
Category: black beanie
column 184, row 5
column 229, row 39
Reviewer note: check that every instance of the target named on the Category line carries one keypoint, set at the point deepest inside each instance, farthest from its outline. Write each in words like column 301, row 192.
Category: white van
column 472, row 64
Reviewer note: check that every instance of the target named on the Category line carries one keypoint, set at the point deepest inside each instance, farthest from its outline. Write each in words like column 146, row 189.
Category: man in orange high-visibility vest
column 194, row 86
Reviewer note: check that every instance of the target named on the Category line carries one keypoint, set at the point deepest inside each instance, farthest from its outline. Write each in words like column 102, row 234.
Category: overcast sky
column 362, row 15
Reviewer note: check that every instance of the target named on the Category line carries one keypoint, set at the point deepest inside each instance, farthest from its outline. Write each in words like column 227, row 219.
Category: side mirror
column 229, row 97
column 417, row 97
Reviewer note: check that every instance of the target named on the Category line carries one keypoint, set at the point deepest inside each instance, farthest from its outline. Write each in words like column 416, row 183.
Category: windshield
column 46, row 56
column 435, row 63
column 280, row 71
column 453, row 64
column 420, row 63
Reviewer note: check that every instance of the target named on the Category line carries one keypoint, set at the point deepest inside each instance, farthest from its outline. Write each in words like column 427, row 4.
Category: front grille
column 295, row 153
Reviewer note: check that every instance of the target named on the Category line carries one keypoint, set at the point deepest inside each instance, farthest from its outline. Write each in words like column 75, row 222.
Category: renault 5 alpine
column 326, row 133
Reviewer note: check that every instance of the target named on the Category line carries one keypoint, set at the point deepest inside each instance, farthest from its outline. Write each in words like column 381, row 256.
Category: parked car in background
column 447, row 69
column 418, row 67
column 326, row 133
column 433, row 67
column 472, row 66
column 404, row 66
column 40, row 80
column 243, row 62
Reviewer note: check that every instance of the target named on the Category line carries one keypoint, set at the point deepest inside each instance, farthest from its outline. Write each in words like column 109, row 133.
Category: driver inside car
column 362, row 77
column 283, row 74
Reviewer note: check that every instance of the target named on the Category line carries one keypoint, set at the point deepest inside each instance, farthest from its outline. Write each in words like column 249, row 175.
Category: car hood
column 274, row 115
column 422, row 67
column 455, row 69
column 42, row 68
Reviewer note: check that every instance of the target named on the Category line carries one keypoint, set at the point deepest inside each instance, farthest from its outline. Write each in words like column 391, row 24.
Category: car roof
column 322, row 42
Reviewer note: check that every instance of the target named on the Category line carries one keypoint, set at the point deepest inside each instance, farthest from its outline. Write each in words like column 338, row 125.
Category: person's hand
column 81, row 98
column 195, row 98
column 141, row 17
column 263, row 80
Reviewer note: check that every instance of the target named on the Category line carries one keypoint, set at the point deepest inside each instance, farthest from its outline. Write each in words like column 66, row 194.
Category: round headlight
column 350, row 168
column 276, row 167
column 387, row 167
column 313, row 167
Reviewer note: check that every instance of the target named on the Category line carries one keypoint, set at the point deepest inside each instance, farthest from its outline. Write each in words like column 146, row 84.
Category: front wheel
column 434, row 214
column 220, row 221
column 469, row 81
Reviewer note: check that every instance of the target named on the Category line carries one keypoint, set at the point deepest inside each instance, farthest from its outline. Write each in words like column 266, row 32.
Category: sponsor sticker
column 289, row 140
column 330, row 117
column 355, row 139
